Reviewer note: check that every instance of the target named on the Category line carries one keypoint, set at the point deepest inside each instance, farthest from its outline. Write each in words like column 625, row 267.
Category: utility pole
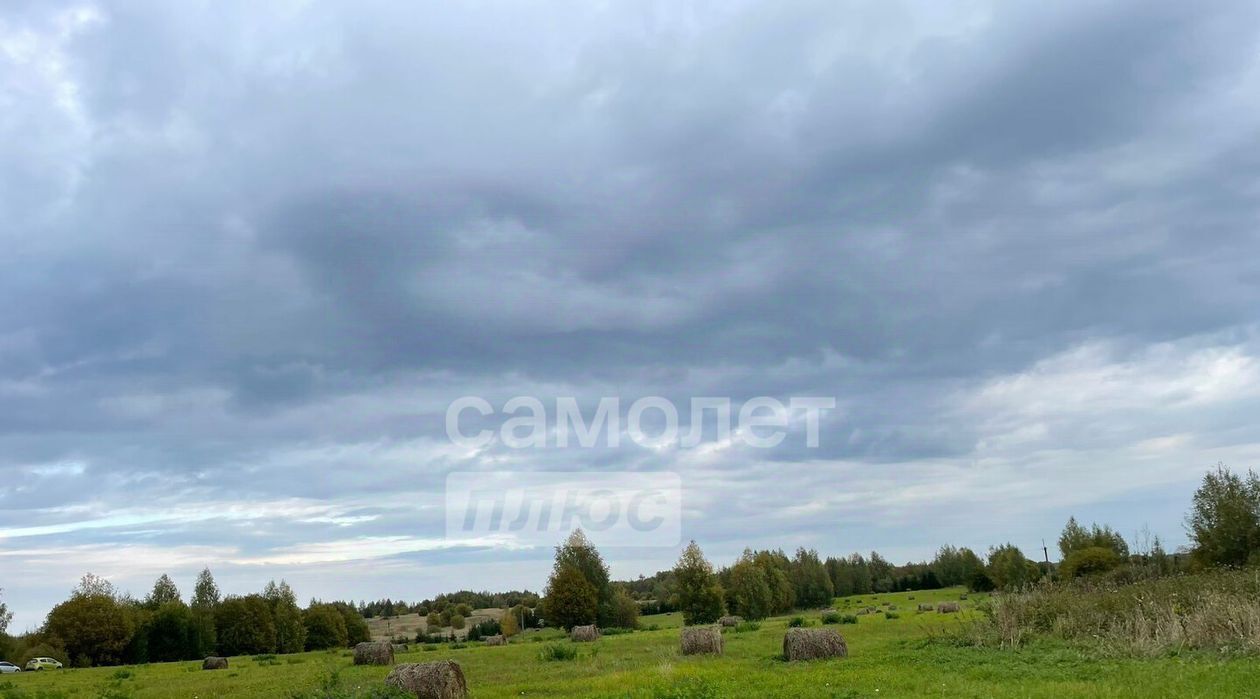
column 1045, row 551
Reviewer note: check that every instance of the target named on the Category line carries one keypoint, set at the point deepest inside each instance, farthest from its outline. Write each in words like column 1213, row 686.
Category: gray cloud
column 252, row 254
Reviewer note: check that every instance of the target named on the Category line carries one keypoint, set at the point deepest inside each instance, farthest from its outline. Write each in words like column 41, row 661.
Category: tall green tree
column 357, row 630
column 1224, row 521
column 170, row 633
column 205, row 600
column 1010, row 569
column 287, row 617
column 810, row 582
column 579, row 553
column 164, row 591
column 95, row 627
column 776, row 566
column 625, row 611
column 1077, row 538
column 244, row 626
column 570, row 600
column 325, row 627
column 699, row 594
column 748, row 593
column 956, row 566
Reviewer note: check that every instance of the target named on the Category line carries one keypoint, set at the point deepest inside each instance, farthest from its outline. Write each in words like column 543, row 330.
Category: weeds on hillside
column 1214, row 611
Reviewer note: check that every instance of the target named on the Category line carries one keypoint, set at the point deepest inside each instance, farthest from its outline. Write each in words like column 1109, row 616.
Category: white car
column 6, row 668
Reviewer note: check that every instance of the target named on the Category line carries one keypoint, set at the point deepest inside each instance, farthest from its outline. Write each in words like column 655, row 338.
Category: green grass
column 909, row 656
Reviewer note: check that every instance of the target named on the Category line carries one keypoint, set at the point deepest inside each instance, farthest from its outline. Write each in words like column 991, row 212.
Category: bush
column 325, row 627
column 891, row 615
column 797, row 622
column 746, row 626
column 1089, row 560
column 615, row 631
column 553, row 652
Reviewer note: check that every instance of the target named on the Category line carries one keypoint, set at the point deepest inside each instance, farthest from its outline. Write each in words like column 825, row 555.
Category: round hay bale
column 374, row 653
column 731, row 620
column 926, row 607
column 948, row 607
column 214, row 662
column 496, row 640
column 812, row 644
column 584, row 634
column 439, row 680
column 701, row 640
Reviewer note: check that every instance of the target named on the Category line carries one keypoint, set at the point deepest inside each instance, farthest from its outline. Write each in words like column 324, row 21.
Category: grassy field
column 889, row 657
column 408, row 624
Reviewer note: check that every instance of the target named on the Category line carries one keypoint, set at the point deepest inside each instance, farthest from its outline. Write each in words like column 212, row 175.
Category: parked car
column 43, row 664
column 6, row 668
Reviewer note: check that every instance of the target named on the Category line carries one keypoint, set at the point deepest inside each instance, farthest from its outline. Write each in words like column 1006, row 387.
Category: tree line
column 1223, row 524
column 98, row 625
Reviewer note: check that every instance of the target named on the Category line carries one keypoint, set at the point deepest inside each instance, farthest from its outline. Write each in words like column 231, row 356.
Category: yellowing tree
column 508, row 625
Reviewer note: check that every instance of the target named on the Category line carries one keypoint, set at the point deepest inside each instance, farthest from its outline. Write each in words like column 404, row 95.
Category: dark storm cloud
column 251, row 254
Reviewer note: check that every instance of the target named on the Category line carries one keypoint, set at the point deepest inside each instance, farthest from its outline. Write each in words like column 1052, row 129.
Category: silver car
column 6, row 668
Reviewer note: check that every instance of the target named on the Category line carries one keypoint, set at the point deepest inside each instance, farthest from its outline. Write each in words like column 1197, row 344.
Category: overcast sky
column 249, row 252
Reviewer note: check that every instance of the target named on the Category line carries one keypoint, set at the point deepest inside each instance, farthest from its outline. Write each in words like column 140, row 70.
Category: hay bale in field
column 811, row 644
column 374, row 653
column 496, row 640
column 926, row 607
column 701, row 640
column 443, row 679
column 948, row 607
column 214, row 662
column 731, row 620
column 584, row 634
column 892, row 607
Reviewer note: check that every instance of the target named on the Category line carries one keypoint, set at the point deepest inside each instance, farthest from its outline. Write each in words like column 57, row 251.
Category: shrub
column 797, row 622
column 325, row 627
column 831, row 617
column 848, row 619
column 1089, row 560
column 891, row 615
column 553, row 652
column 746, row 626
column 615, row 631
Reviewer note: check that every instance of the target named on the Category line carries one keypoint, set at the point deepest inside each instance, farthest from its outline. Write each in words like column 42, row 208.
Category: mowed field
column 887, row 658
column 407, row 625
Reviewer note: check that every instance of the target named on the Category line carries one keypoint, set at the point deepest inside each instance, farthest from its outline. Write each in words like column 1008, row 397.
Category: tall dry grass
column 1215, row 611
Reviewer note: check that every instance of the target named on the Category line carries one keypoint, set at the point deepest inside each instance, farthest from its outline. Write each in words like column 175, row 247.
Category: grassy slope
column 888, row 658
